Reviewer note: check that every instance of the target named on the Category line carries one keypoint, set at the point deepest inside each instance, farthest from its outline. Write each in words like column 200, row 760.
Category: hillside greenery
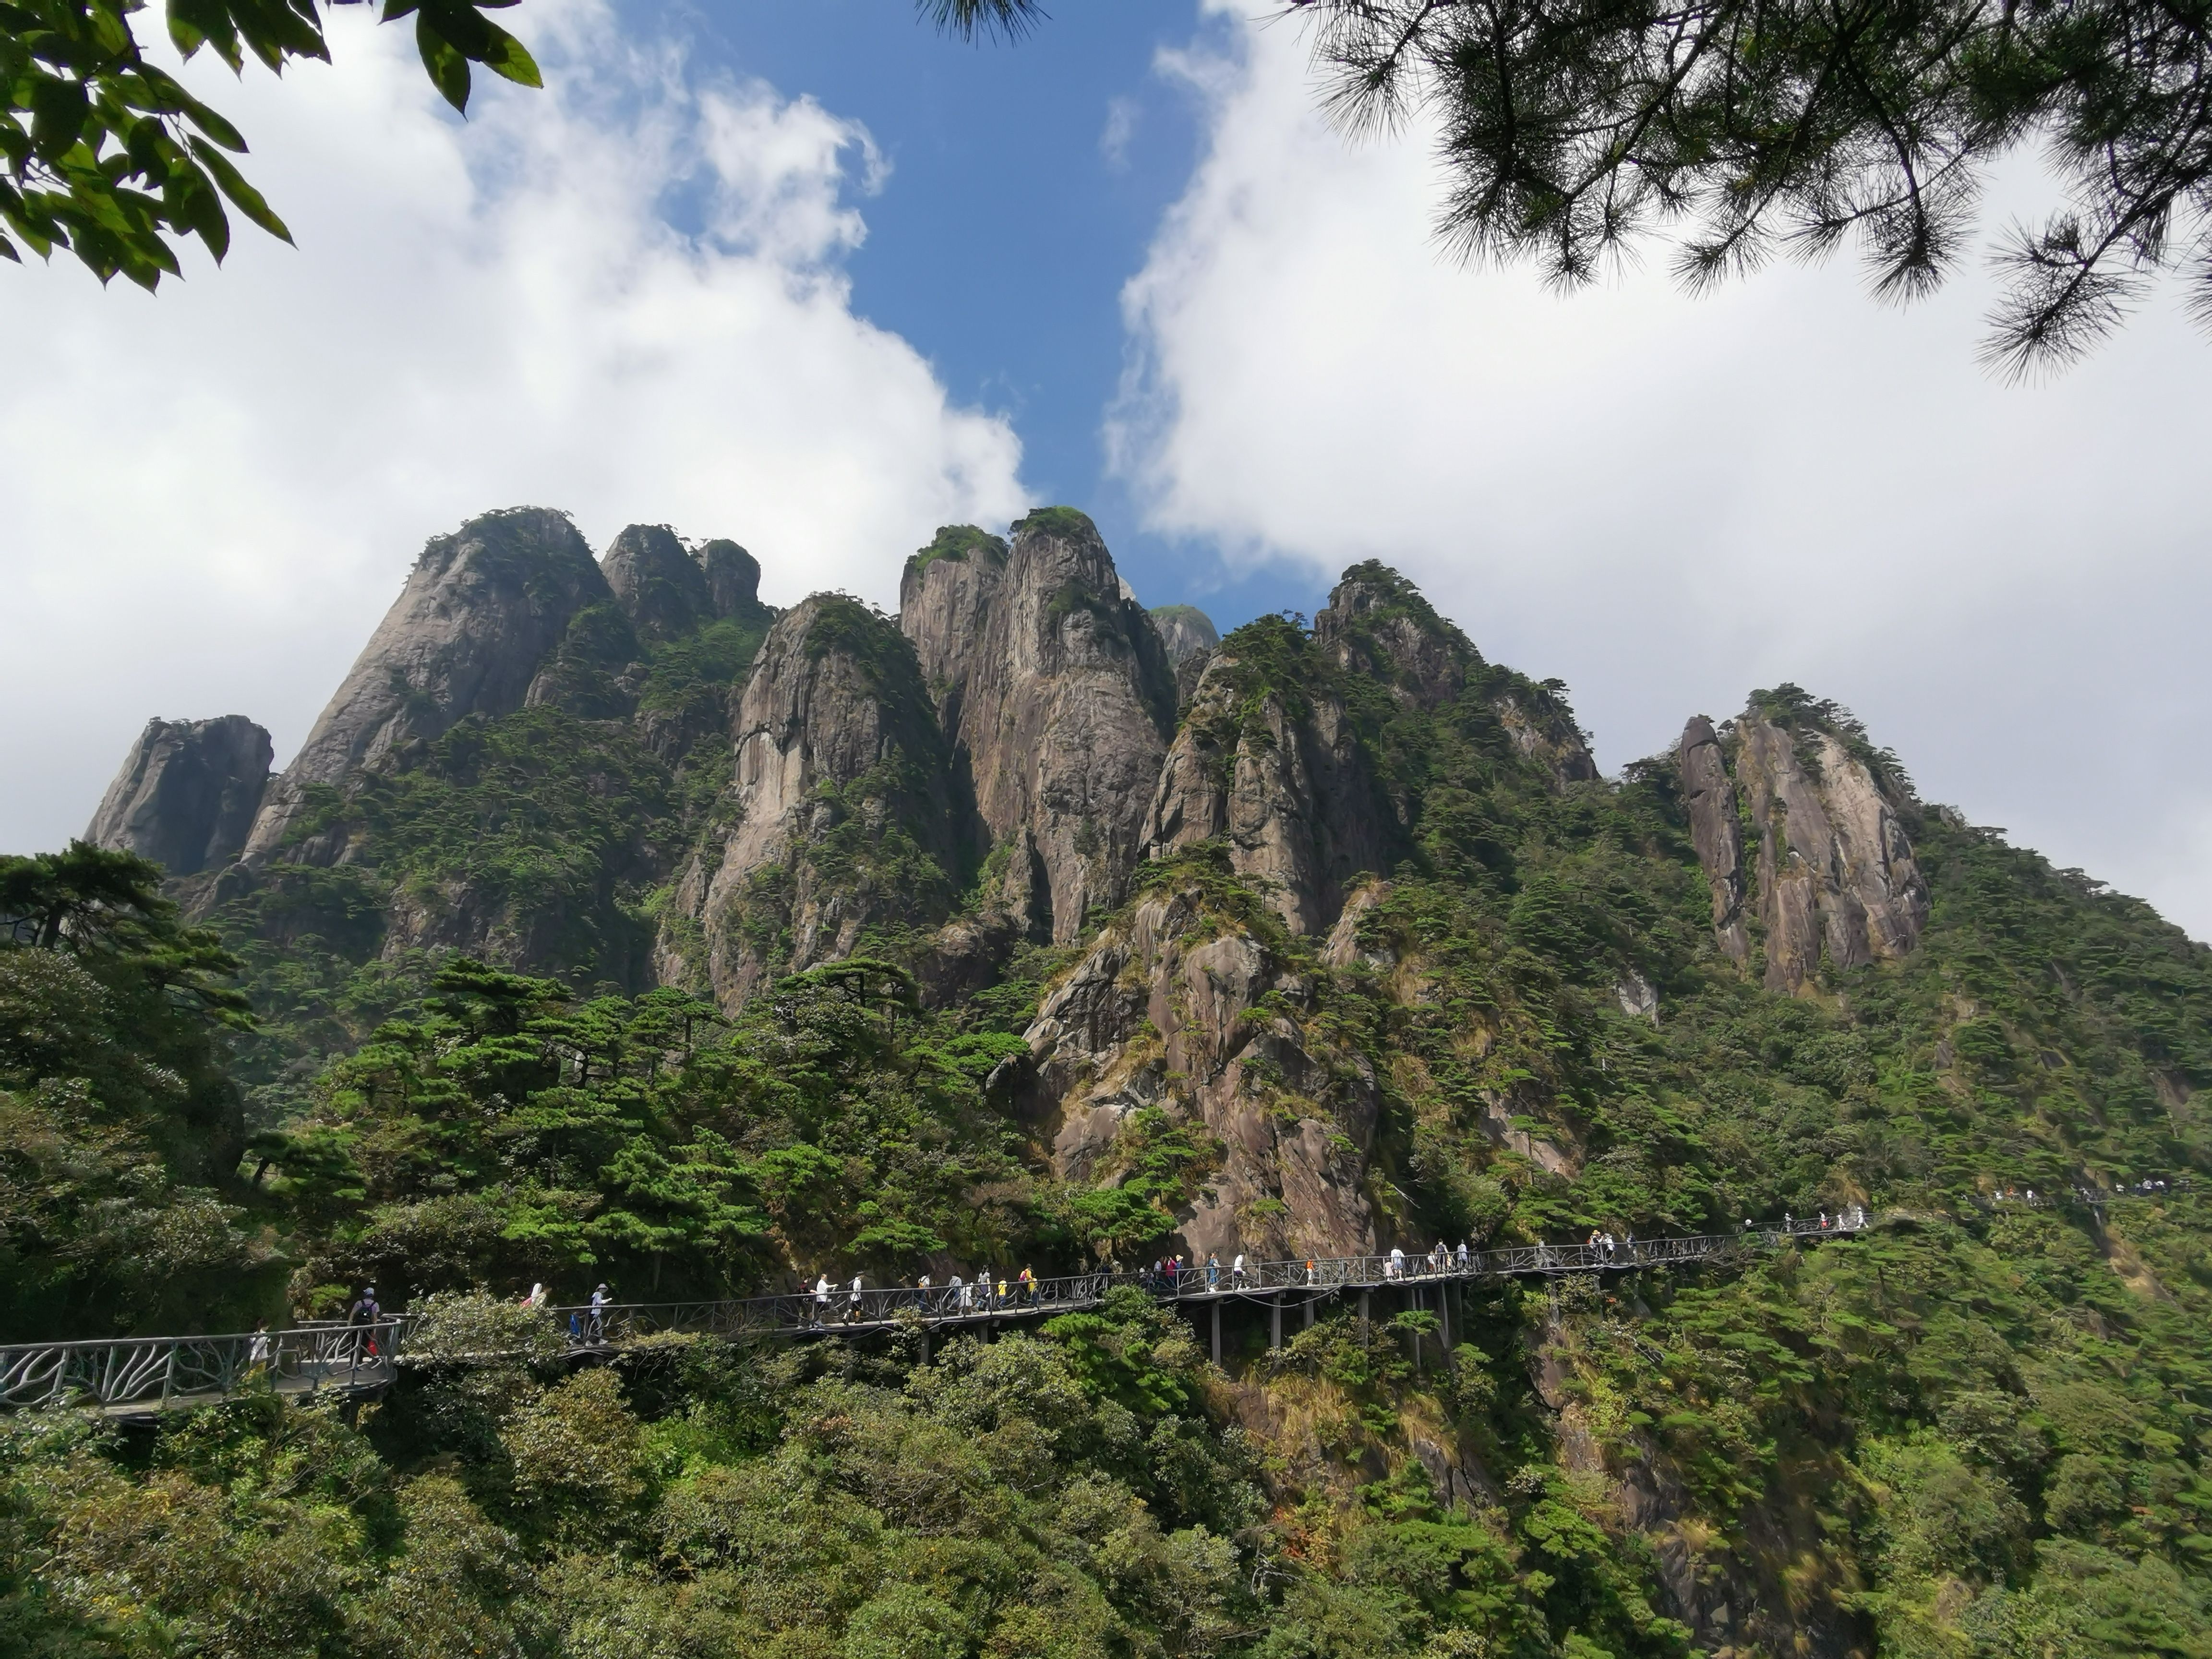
column 1979, row 1433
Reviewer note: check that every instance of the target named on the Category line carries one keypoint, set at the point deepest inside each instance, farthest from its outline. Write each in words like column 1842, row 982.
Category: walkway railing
column 137, row 1375
column 150, row 1373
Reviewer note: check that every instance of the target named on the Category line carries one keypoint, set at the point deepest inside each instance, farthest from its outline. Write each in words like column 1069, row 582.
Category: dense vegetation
column 1980, row 1433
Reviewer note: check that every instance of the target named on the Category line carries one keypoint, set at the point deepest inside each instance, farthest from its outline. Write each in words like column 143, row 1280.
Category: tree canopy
column 1573, row 129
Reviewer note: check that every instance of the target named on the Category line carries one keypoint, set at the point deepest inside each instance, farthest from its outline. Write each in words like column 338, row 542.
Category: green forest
column 1982, row 1431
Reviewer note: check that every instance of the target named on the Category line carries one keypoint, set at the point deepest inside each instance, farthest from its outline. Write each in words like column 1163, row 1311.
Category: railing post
column 169, row 1374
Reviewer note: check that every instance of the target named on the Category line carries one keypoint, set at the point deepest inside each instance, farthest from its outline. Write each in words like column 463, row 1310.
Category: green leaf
column 58, row 109
column 243, row 196
column 449, row 70
column 507, row 57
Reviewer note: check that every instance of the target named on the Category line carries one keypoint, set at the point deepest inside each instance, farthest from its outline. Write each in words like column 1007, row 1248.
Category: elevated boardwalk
column 137, row 1376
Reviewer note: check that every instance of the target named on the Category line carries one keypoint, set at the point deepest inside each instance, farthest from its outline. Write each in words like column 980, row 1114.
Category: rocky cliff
column 1833, row 879
column 1185, row 632
column 1056, row 696
column 1267, row 760
column 188, row 793
column 481, row 611
column 1180, row 1007
column 839, row 817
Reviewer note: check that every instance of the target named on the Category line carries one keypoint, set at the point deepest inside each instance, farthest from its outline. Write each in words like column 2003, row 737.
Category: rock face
column 661, row 589
column 1711, row 797
column 839, row 815
column 482, row 610
column 733, row 581
column 1155, row 1015
column 1378, row 624
column 1834, row 877
column 1278, row 773
column 1057, row 698
column 1185, row 631
column 188, row 793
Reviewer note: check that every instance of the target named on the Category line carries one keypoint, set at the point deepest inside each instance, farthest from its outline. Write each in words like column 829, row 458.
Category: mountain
column 614, row 925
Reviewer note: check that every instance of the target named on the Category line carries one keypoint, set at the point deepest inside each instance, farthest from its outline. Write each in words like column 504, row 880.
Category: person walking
column 363, row 1319
column 1213, row 1272
column 1309, row 1270
column 597, row 1327
column 257, row 1352
column 922, row 1294
column 1236, row 1272
column 821, row 1302
column 1463, row 1255
column 853, row 1301
column 1397, row 1268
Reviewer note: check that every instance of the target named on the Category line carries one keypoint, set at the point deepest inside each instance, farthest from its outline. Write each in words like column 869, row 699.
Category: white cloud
column 213, row 494
column 1121, row 127
column 1667, row 501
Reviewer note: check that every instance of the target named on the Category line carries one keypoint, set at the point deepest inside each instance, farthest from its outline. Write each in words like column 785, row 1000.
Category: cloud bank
column 1667, row 501
column 622, row 296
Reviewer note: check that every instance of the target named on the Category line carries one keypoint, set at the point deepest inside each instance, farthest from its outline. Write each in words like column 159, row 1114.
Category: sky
column 817, row 279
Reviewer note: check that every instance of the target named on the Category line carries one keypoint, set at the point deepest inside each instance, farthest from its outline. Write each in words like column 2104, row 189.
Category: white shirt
column 1238, row 1265
column 822, row 1288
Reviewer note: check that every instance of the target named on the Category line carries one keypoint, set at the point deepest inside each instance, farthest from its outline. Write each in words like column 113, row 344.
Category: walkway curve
column 140, row 1376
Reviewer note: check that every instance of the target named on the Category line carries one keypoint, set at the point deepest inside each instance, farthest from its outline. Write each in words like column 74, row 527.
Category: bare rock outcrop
column 1832, row 877
column 1156, row 1015
column 188, row 793
column 839, row 816
column 1056, row 693
column 1185, row 631
column 1281, row 777
column 733, row 582
column 482, row 610
column 1836, row 871
column 661, row 589
column 1709, row 795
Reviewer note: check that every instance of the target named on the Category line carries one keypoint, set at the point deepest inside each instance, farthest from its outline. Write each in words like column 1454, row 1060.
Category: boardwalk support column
column 1217, row 1333
column 1366, row 1297
column 1309, row 1310
column 1275, row 1343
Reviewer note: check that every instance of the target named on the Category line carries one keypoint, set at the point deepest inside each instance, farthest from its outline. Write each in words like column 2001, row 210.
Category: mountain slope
column 833, row 943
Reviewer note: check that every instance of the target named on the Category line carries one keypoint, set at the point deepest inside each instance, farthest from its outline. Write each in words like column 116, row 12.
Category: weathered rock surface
column 481, row 611
column 661, row 589
column 1291, row 793
column 1714, row 829
column 838, row 816
column 1056, row 695
column 1378, row 624
column 1835, row 870
column 188, row 793
column 1185, row 631
column 1155, row 1015
column 733, row 581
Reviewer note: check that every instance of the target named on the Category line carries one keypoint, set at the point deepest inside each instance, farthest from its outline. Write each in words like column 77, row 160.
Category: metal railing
column 129, row 1375
column 842, row 1307
column 150, row 1373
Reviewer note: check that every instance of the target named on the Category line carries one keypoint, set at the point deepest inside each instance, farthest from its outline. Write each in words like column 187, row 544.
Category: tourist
column 853, row 1301
column 1236, row 1272
column 1213, row 1272
column 597, row 1327
column 821, row 1302
column 1396, row 1268
column 1309, row 1270
column 1463, row 1255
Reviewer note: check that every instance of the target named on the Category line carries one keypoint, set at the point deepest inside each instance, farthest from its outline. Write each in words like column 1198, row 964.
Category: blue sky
column 1001, row 240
